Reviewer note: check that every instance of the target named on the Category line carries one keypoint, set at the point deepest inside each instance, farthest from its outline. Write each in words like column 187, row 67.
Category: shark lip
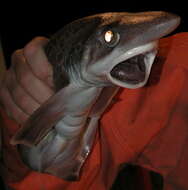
column 132, row 69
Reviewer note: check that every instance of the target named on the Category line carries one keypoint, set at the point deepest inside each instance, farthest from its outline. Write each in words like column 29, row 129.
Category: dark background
column 22, row 21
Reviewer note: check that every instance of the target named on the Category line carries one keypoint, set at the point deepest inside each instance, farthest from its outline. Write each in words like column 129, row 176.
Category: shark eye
column 111, row 38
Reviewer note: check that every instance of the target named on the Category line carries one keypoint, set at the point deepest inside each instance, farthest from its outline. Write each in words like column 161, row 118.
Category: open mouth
column 132, row 69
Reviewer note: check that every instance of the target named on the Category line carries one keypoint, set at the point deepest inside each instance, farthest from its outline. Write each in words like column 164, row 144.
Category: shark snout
column 154, row 25
column 139, row 35
column 168, row 22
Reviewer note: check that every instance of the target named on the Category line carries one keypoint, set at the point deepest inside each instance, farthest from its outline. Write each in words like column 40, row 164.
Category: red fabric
column 147, row 127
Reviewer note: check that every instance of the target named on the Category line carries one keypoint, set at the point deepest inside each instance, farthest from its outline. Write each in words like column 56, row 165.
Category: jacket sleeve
column 166, row 153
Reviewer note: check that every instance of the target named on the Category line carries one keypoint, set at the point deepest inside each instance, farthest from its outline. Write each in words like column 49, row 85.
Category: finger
column 20, row 97
column 11, row 109
column 36, row 58
column 32, row 85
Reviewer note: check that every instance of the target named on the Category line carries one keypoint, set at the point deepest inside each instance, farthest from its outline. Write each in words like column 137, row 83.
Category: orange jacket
column 147, row 127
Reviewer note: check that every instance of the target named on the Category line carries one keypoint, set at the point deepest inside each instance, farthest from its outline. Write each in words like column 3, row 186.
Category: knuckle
column 18, row 96
column 17, row 59
column 24, row 79
column 33, row 46
column 40, row 39
column 30, row 49
column 21, row 100
column 22, row 74
column 17, row 54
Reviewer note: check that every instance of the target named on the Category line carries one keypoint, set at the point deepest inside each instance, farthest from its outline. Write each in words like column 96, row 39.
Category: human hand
column 28, row 82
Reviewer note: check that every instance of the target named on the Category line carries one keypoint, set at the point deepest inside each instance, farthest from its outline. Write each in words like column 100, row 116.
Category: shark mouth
column 132, row 69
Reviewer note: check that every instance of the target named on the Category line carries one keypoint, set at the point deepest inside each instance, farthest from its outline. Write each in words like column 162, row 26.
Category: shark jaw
column 132, row 69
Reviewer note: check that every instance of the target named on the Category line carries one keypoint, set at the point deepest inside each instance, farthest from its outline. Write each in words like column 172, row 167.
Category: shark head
column 124, row 47
column 109, row 49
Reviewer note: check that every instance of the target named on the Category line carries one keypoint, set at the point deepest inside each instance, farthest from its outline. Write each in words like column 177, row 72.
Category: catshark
column 92, row 58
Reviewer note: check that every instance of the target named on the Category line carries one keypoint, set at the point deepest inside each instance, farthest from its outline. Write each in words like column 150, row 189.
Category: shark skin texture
column 92, row 58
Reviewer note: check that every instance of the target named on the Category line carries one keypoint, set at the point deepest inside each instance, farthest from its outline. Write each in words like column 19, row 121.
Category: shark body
column 92, row 58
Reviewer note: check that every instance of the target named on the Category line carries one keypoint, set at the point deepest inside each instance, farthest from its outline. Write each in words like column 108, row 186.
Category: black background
column 24, row 20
